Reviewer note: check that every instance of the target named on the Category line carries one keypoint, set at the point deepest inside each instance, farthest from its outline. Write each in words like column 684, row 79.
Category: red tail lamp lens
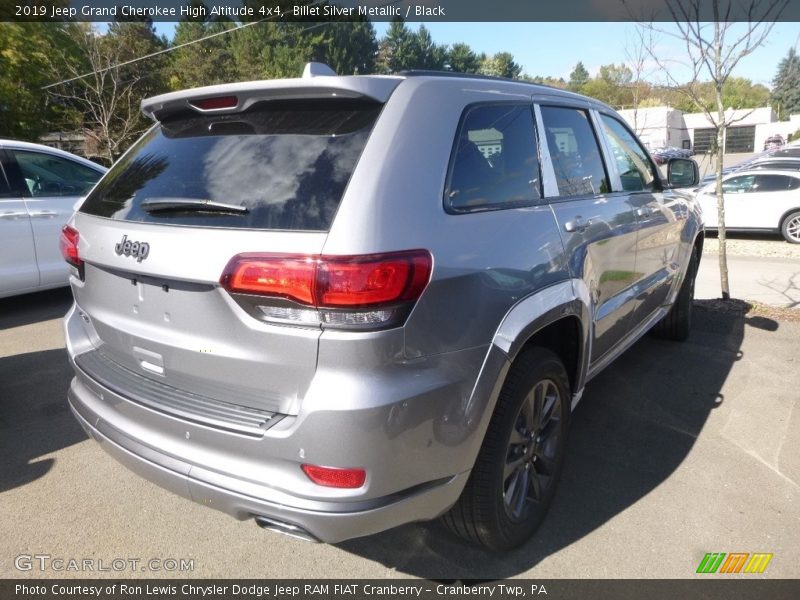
column 282, row 277
column 215, row 103
column 332, row 281
column 334, row 477
column 68, row 243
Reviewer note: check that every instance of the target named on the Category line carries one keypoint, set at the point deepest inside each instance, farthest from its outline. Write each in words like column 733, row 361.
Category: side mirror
column 682, row 172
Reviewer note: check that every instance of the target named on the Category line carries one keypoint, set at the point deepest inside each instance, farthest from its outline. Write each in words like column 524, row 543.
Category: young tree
column 578, row 77
column 349, row 47
column 462, row 59
column 430, row 55
column 397, row 51
column 501, row 65
column 713, row 50
column 640, row 90
column 109, row 94
column 786, row 85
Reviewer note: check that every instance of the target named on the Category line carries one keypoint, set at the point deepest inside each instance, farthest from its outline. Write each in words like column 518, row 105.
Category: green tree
column 786, row 85
column 578, row 77
column 501, row 65
column 613, row 85
column 203, row 63
column 551, row 81
column 271, row 50
column 32, row 55
column 349, row 48
column 462, row 59
column 430, row 55
column 398, row 50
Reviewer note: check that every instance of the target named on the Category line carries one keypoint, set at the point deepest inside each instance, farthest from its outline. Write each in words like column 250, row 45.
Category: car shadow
column 32, row 308
column 35, row 420
column 633, row 428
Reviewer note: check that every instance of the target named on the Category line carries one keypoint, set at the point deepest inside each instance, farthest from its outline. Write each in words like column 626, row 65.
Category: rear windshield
column 278, row 165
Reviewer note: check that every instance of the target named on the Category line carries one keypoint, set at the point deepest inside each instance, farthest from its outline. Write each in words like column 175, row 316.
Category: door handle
column 13, row 215
column 644, row 211
column 43, row 214
column 577, row 225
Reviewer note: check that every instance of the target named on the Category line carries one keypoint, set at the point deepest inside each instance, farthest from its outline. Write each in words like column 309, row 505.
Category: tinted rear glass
column 287, row 162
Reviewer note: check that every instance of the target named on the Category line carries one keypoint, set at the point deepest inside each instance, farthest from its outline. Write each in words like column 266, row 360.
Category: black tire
column 521, row 448
column 790, row 228
column 677, row 323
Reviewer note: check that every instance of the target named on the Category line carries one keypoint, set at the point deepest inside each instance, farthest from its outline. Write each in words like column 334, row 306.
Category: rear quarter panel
column 485, row 262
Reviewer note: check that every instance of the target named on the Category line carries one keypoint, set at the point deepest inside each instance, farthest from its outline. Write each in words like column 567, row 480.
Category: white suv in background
column 757, row 200
column 39, row 186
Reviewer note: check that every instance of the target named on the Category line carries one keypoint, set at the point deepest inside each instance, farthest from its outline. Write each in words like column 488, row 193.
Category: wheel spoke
column 516, row 438
column 535, row 487
column 550, row 404
column 520, row 493
column 538, row 404
column 528, row 411
column 512, row 466
column 508, row 495
column 545, row 465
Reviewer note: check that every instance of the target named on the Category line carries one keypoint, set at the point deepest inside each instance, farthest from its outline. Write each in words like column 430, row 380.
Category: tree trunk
column 721, row 128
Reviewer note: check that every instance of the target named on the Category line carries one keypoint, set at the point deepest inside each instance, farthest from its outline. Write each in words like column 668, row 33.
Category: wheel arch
column 556, row 318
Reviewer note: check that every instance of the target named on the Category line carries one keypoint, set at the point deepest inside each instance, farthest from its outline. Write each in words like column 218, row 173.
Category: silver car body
column 181, row 384
column 31, row 220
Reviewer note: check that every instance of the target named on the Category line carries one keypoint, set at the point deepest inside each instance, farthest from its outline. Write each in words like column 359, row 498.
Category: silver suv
column 340, row 304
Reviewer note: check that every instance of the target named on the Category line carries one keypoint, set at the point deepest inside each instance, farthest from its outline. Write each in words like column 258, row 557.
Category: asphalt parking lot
column 676, row 450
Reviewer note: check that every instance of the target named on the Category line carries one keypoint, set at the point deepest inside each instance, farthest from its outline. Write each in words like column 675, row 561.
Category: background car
column 662, row 155
column 757, row 200
column 774, row 142
column 764, row 160
column 39, row 186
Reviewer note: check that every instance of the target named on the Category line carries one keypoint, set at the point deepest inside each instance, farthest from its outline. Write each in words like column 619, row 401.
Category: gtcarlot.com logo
column 46, row 562
column 734, row 562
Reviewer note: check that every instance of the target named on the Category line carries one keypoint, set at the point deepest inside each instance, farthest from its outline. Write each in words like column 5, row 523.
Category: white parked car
column 39, row 186
column 757, row 200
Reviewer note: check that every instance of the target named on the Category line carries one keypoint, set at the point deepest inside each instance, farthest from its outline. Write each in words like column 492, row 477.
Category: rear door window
column 49, row 175
column 772, row 183
column 575, row 152
column 494, row 163
column 278, row 165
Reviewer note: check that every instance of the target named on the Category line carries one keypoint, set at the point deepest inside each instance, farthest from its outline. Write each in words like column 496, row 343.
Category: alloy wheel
column 532, row 450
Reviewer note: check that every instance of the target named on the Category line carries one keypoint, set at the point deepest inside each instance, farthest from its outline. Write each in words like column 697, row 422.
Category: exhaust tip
column 285, row 528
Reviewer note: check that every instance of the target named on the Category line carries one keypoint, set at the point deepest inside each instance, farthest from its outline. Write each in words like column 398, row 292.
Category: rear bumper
column 328, row 521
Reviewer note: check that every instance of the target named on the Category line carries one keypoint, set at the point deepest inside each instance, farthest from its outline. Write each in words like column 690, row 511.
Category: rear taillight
column 375, row 290
column 335, row 477
column 69, row 246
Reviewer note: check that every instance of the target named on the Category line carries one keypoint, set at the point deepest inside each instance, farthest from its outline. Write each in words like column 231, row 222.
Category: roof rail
column 456, row 74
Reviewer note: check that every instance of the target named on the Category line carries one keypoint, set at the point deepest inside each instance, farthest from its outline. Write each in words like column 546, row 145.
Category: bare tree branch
column 713, row 51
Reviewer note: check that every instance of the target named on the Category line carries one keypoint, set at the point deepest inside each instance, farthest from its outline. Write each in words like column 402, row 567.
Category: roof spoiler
column 318, row 81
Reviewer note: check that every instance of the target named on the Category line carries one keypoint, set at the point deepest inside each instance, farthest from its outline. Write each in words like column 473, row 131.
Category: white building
column 658, row 126
column 666, row 126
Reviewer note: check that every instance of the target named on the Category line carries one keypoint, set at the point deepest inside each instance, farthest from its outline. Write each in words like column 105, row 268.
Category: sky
column 553, row 49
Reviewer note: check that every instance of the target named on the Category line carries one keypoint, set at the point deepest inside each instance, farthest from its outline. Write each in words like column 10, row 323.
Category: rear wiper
column 191, row 205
